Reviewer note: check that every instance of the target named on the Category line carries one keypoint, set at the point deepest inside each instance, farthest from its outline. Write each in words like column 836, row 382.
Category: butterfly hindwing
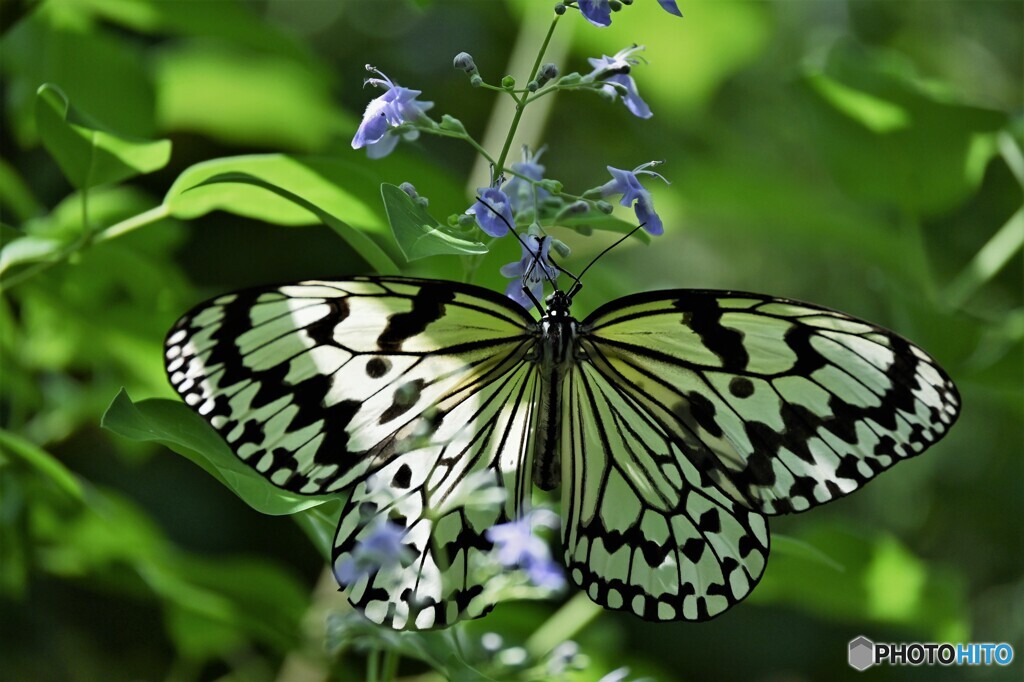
column 784, row 405
column 642, row 530
column 431, row 492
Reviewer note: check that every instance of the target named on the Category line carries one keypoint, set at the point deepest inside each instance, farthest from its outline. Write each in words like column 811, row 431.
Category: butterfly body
column 674, row 423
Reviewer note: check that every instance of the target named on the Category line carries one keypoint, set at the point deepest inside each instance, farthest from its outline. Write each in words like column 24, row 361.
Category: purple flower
column 634, row 194
column 671, row 7
column 520, row 192
column 517, row 547
column 396, row 106
column 599, row 12
column 530, row 271
column 614, row 73
column 382, row 548
column 493, row 211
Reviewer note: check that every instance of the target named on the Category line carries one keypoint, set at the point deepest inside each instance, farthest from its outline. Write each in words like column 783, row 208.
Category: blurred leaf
column 215, row 603
column 15, row 195
column 173, row 424
column 86, row 153
column 879, row 580
column 100, row 72
column 19, row 449
column 230, row 20
column 888, row 139
column 178, row 200
column 417, row 233
column 29, row 249
column 14, row 568
column 209, row 89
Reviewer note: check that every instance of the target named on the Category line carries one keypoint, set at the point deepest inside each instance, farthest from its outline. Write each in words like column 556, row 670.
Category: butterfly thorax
column 556, row 353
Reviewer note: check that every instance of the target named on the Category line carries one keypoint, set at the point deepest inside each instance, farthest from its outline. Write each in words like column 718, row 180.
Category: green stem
column 521, row 104
column 574, row 615
column 88, row 237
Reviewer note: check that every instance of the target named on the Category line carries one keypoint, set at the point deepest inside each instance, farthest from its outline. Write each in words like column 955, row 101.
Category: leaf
column 320, row 524
column 29, row 249
column 173, row 424
column 211, row 89
column 848, row 576
column 887, row 138
column 23, row 450
column 417, row 233
column 87, row 154
column 373, row 254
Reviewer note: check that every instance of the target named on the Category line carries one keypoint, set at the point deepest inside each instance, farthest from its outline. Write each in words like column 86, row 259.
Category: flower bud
column 464, row 61
column 615, row 5
column 508, row 82
column 604, row 207
column 408, row 189
column 546, row 73
column 560, row 9
column 475, row 80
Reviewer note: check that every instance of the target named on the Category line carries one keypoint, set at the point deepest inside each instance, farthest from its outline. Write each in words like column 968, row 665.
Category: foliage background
column 865, row 155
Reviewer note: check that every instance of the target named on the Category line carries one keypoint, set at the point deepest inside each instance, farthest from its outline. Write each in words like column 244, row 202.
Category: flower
column 530, row 271
column 599, row 12
column 395, row 107
column 671, row 7
column 634, row 194
column 382, row 548
column 493, row 211
column 517, row 547
column 519, row 191
column 614, row 73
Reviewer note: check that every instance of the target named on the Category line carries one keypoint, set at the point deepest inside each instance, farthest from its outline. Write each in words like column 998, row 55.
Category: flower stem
column 521, row 104
column 574, row 615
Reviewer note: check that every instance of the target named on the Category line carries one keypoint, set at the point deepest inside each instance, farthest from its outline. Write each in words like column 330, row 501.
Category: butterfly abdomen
column 556, row 350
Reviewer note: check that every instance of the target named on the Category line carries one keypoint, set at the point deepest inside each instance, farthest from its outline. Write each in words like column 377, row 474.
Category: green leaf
column 87, row 154
column 173, row 424
column 211, row 89
column 373, row 254
column 15, row 195
column 417, row 233
column 320, row 525
column 847, row 576
column 888, row 138
column 21, row 449
column 102, row 72
column 29, row 249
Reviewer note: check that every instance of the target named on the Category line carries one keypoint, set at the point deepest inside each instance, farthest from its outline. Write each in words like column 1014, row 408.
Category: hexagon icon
column 862, row 653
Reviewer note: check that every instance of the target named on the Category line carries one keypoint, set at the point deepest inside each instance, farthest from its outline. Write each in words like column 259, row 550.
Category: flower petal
column 597, row 12
column 671, row 7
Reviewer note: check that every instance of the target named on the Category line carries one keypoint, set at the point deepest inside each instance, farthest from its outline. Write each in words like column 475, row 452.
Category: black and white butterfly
column 674, row 422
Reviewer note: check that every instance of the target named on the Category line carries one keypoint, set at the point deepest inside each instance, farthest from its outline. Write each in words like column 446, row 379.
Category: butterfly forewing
column 409, row 390
column 784, row 405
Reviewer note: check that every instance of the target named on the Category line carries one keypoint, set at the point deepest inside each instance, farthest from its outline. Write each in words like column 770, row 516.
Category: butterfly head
column 558, row 303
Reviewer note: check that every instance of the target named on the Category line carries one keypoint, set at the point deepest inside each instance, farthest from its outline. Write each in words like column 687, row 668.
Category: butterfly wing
column 643, row 529
column 692, row 413
column 373, row 383
column 783, row 405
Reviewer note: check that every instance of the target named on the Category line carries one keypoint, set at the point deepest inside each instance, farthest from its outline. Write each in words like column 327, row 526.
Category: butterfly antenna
column 579, row 285
column 536, row 256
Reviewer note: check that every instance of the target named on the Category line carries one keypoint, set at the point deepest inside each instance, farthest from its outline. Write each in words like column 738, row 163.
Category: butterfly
column 674, row 423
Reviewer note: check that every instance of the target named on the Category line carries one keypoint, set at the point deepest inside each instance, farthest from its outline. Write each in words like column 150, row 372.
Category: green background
column 865, row 155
